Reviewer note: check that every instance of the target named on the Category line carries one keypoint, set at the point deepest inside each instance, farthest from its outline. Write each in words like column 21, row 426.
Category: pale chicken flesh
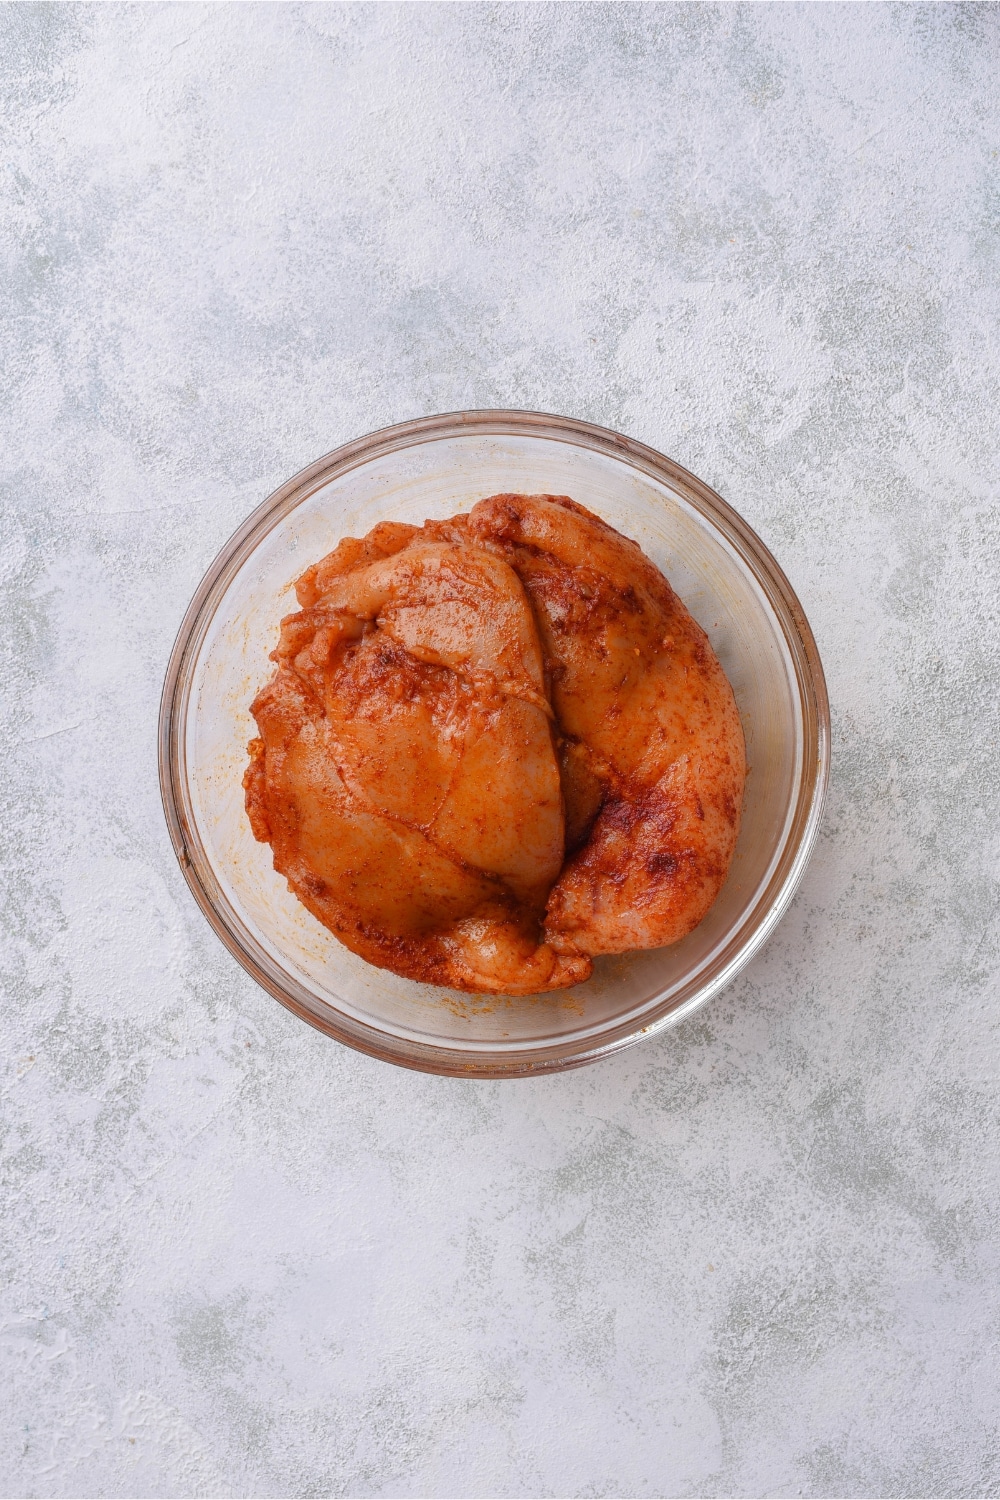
column 494, row 747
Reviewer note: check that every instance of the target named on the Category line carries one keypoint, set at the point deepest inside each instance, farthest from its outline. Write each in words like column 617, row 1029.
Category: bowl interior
column 438, row 476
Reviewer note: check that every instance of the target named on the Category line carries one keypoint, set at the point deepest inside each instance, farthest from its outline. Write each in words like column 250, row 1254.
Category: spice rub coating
column 495, row 746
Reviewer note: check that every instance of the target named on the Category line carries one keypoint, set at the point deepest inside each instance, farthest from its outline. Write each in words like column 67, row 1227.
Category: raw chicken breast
column 653, row 756
column 496, row 746
column 405, row 774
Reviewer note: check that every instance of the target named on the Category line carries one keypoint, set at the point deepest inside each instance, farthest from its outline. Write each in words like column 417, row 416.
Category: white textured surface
column 757, row 1255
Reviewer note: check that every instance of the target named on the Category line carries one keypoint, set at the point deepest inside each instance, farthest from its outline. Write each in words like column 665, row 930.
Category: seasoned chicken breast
column 495, row 746
column 405, row 773
column 653, row 757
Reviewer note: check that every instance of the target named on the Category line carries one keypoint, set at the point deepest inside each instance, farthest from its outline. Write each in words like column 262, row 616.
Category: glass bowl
column 435, row 467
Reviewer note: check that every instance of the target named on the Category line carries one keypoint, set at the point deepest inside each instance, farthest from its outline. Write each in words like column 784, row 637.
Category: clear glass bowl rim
column 176, row 699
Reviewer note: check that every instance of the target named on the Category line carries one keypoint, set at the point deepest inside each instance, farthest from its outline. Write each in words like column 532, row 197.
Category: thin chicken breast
column 405, row 773
column 652, row 754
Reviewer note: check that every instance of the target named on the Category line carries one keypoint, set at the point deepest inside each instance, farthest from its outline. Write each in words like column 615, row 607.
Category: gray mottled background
column 756, row 1255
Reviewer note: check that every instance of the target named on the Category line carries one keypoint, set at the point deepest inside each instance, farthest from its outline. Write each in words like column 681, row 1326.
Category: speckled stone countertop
column 756, row 1255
